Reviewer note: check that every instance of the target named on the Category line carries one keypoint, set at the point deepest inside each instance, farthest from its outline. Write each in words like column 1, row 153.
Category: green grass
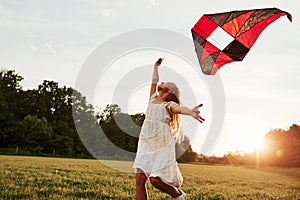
column 37, row 178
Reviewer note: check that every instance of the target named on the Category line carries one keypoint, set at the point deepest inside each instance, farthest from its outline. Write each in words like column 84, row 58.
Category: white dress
column 156, row 147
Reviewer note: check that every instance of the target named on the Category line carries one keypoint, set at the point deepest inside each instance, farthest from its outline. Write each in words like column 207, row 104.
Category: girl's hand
column 158, row 62
column 196, row 113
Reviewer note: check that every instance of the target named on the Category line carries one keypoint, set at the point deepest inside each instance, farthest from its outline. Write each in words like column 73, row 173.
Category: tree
column 120, row 131
column 10, row 84
column 5, row 122
column 107, row 114
column 34, row 134
column 9, row 95
column 85, row 121
column 184, row 151
column 48, row 105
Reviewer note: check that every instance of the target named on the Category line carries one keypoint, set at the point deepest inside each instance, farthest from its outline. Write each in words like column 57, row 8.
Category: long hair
column 175, row 121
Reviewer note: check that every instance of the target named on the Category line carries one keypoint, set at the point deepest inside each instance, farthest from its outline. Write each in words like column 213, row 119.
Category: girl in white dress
column 155, row 158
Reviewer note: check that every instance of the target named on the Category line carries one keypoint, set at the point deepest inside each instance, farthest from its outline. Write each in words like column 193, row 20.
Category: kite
column 238, row 31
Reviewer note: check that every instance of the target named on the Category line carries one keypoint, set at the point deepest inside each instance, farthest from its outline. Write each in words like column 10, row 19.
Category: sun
column 253, row 143
column 248, row 142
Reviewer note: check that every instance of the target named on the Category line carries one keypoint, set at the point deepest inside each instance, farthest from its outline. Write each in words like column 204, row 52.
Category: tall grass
column 58, row 178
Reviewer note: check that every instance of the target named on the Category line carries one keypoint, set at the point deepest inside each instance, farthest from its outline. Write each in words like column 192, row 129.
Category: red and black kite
column 243, row 27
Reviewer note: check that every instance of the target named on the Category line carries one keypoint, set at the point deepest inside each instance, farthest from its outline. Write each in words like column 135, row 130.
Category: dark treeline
column 41, row 122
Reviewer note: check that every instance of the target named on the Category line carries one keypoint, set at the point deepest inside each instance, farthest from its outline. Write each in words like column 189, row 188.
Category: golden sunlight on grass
column 60, row 178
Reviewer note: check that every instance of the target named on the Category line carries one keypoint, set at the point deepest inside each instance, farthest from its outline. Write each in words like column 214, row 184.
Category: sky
column 51, row 40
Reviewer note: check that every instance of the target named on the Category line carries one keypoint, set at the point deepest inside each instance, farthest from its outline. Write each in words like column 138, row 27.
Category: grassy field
column 57, row 178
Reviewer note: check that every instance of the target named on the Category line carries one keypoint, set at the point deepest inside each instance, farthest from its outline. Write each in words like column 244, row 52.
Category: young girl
column 155, row 158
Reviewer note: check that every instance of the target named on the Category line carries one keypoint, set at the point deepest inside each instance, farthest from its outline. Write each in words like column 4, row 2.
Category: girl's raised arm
column 155, row 77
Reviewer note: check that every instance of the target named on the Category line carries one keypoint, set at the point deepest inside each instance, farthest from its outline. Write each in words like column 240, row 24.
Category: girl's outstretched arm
column 155, row 77
column 195, row 113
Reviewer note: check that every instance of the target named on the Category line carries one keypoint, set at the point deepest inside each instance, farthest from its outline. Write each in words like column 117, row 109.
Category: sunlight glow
column 253, row 144
column 244, row 140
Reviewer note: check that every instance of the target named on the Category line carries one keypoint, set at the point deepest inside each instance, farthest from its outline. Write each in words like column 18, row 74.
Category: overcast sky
column 52, row 39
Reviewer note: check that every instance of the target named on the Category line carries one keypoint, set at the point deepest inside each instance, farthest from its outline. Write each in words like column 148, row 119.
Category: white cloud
column 33, row 48
column 49, row 46
column 154, row 2
column 108, row 13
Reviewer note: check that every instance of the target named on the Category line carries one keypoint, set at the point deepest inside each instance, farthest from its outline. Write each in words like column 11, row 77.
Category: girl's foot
column 180, row 197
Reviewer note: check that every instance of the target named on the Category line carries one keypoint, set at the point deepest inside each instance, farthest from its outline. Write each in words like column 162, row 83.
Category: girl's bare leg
column 164, row 187
column 140, row 184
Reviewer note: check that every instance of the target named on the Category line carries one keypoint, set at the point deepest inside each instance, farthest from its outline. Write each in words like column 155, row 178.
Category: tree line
column 43, row 121
column 39, row 121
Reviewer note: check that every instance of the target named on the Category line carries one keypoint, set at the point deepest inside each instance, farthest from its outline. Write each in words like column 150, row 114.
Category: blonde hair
column 174, row 96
